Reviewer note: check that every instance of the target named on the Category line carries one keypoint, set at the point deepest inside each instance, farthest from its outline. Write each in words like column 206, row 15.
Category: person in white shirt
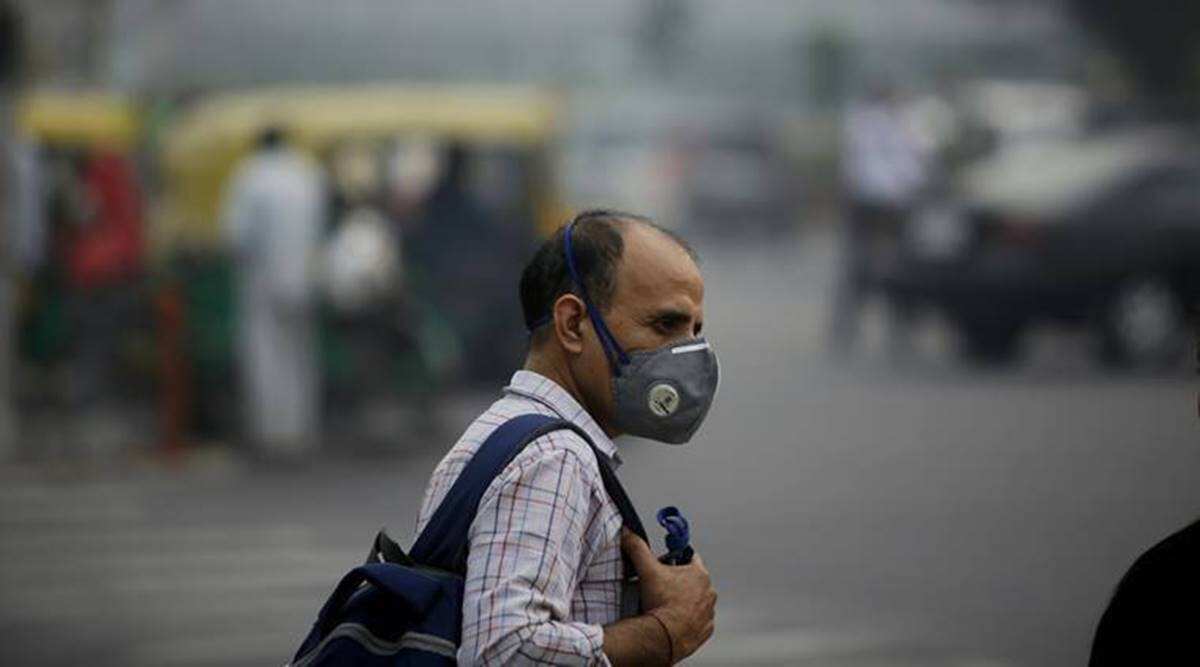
column 273, row 214
column 885, row 168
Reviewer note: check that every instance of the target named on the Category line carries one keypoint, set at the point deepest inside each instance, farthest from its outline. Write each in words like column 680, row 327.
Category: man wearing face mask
column 614, row 305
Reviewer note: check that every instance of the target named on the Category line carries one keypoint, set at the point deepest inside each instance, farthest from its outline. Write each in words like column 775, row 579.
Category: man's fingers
column 638, row 551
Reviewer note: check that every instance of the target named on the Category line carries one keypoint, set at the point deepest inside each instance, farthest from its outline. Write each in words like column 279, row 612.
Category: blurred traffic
column 275, row 234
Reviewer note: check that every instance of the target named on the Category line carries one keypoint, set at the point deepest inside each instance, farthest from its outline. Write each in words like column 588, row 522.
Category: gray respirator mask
column 662, row 394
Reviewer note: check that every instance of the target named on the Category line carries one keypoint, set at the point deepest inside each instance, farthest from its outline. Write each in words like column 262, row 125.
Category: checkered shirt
column 544, row 570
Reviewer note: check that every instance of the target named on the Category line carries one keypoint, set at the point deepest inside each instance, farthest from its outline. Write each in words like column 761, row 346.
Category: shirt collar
column 542, row 389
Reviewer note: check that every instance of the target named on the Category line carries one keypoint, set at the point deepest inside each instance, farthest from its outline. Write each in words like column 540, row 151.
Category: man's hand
column 681, row 596
column 677, row 598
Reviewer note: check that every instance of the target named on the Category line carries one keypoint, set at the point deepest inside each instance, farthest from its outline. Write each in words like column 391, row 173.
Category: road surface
column 852, row 513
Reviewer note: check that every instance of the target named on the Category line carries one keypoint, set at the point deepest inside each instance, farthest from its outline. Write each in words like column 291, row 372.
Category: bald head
column 600, row 239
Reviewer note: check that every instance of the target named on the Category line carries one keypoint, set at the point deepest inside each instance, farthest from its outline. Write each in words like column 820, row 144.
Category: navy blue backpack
column 402, row 609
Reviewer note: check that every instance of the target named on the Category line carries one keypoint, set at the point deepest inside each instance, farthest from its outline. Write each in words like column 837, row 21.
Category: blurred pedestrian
column 11, row 42
column 884, row 170
column 361, row 258
column 1151, row 619
column 103, row 252
column 462, row 246
column 614, row 306
column 273, row 213
column 26, row 206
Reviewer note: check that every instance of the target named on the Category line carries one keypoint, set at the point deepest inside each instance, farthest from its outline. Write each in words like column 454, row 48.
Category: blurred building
column 773, row 50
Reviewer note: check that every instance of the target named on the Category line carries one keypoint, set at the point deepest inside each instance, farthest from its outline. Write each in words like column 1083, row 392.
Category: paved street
column 853, row 514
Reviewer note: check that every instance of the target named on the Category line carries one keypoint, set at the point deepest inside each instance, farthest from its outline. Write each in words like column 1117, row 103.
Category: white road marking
column 265, row 648
column 44, row 539
column 75, row 565
column 798, row 646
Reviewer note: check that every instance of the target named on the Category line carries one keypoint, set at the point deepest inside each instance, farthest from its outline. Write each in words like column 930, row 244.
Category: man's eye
column 669, row 326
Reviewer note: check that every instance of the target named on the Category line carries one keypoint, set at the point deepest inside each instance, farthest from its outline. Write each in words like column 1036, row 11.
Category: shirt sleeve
column 526, row 545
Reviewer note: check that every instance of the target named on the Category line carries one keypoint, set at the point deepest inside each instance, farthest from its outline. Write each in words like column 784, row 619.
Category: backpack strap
column 443, row 542
column 612, row 486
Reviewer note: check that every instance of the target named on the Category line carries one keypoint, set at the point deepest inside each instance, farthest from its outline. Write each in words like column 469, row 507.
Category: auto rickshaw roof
column 79, row 118
column 319, row 116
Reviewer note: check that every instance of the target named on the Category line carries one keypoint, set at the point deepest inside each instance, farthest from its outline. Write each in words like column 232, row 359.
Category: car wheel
column 991, row 342
column 1143, row 325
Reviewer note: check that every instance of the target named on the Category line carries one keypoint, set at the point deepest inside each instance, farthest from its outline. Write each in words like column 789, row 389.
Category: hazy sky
column 232, row 42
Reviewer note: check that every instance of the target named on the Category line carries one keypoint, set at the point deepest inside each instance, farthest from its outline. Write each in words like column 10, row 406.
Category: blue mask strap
column 616, row 356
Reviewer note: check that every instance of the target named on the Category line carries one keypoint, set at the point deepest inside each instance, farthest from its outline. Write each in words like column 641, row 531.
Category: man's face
column 658, row 300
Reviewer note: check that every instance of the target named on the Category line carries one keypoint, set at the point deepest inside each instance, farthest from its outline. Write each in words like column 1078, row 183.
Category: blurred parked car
column 737, row 179
column 711, row 165
column 1099, row 232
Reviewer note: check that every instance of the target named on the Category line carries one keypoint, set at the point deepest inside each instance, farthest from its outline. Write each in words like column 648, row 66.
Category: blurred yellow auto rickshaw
column 86, row 303
column 63, row 130
column 205, row 143
column 207, row 140
column 79, row 119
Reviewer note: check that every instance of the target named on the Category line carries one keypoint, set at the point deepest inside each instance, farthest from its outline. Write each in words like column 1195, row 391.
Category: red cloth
column 108, row 248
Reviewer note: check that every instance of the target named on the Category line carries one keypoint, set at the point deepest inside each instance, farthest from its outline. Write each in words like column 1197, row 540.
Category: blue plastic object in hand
column 679, row 549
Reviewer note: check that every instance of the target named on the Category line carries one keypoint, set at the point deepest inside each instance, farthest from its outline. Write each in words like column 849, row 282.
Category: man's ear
column 569, row 317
